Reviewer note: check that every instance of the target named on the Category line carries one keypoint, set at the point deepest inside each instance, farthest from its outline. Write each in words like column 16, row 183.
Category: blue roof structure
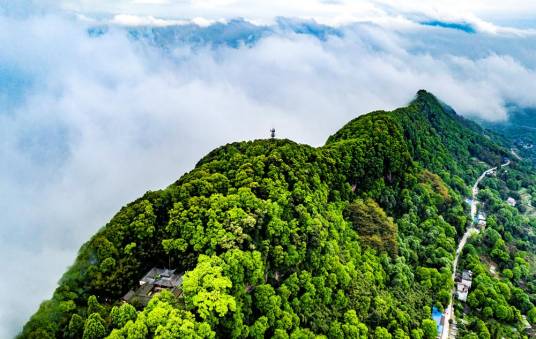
column 437, row 315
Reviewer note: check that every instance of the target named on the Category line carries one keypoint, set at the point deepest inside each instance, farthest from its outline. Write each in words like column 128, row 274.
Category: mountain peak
column 262, row 217
column 425, row 96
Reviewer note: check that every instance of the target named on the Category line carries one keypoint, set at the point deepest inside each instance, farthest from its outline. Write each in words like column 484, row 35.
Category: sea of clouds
column 96, row 109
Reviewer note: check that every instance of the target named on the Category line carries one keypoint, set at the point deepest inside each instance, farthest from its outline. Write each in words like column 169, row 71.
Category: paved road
column 515, row 154
column 470, row 230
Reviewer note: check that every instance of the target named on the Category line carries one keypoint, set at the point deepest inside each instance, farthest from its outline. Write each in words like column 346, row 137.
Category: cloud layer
column 487, row 15
column 93, row 113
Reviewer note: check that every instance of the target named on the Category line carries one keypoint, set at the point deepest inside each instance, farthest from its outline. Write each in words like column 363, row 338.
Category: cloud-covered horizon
column 492, row 16
column 96, row 110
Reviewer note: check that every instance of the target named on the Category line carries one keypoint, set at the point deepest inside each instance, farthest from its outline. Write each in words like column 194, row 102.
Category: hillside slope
column 352, row 239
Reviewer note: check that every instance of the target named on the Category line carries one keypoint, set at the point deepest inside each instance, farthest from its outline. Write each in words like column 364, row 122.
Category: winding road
column 515, row 154
column 470, row 230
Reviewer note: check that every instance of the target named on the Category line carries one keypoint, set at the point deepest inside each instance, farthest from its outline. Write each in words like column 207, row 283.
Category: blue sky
column 101, row 101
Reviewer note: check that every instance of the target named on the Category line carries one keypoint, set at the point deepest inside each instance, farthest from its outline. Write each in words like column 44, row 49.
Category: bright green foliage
column 144, row 223
column 163, row 320
column 121, row 315
column 258, row 329
column 94, row 327
column 205, row 289
column 352, row 328
column 381, row 333
column 429, row 329
column 531, row 315
column 352, row 239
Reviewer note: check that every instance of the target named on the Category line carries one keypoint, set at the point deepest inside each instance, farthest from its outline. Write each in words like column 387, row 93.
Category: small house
column 464, row 285
column 462, row 291
column 481, row 220
column 156, row 280
column 162, row 278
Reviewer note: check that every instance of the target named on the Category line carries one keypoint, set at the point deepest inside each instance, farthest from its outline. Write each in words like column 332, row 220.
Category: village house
column 511, row 201
column 481, row 220
column 156, row 280
column 464, row 285
column 462, row 291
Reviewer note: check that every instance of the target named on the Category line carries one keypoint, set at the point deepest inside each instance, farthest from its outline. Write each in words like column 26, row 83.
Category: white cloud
column 485, row 15
column 152, row 2
column 129, row 20
column 101, row 120
column 136, row 20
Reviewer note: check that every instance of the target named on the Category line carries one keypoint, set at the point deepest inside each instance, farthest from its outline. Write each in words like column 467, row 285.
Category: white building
column 462, row 291
column 511, row 201
column 463, row 287
column 481, row 220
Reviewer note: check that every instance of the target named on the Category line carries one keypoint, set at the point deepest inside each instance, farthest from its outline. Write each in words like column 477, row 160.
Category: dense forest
column 354, row 239
column 503, row 258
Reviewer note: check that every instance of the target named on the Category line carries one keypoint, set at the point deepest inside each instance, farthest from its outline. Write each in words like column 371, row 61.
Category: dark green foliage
column 93, row 306
column 352, row 239
column 76, row 327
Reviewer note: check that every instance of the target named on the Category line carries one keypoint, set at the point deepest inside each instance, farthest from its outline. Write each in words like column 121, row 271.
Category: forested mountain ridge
column 352, row 239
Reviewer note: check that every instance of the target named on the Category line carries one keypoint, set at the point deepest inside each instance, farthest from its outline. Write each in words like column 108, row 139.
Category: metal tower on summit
column 272, row 133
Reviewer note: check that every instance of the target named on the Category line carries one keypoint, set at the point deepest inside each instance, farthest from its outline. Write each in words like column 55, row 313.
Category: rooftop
column 161, row 277
column 467, row 275
column 439, row 318
column 154, row 281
